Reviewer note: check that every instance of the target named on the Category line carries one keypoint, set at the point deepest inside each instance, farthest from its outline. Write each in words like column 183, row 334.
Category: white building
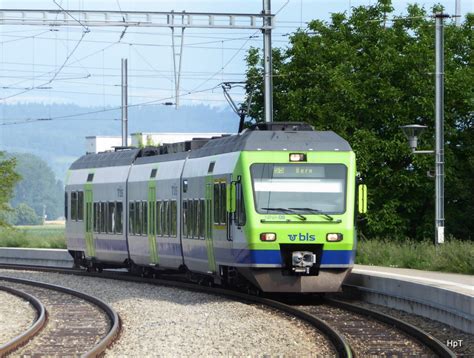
column 96, row 144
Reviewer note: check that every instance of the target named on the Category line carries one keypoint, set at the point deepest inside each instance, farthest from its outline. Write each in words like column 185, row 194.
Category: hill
column 61, row 141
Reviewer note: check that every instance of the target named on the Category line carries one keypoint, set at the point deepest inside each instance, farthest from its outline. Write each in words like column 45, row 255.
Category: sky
column 66, row 65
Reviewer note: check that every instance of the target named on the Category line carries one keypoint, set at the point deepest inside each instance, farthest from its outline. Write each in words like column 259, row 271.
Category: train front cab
column 300, row 226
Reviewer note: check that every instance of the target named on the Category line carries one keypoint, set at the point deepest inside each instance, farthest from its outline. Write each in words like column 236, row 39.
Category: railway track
column 77, row 324
column 371, row 333
column 352, row 331
column 38, row 323
column 335, row 340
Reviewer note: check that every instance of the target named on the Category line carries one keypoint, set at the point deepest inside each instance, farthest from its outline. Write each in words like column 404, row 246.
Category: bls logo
column 302, row 237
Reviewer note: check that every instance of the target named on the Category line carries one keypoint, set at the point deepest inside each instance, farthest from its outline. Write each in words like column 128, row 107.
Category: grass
column 453, row 256
column 46, row 237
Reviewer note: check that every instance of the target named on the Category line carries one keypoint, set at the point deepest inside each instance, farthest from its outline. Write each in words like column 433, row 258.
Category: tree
column 363, row 77
column 25, row 215
column 38, row 188
column 8, row 179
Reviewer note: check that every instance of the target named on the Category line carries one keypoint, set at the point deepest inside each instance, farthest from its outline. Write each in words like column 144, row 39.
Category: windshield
column 303, row 188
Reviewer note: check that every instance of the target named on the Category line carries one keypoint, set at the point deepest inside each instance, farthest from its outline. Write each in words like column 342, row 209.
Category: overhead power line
column 55, row 74
column 146, row 103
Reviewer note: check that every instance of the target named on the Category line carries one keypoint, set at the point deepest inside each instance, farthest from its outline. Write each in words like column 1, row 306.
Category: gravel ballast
column 162, row 321
column 16, row 316
column 440, row 331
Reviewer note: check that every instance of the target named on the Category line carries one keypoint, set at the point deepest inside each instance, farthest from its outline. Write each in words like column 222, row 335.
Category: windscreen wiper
column 287, row 211
column 315, row 211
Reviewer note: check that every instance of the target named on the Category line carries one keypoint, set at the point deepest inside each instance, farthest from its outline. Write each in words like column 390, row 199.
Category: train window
column 163, row 219
column 194, row 219
column 202, row 216
column 240, row 217
column 89, row 217
column 185, row 218
column 152, row 218
column 189, row 219
column 309, row 188
column 208, row 207
column 80, row 206
column 131, row 217
column 144, row 218
column 138, row 214
column 65, row 205
column 96, row 217
column 222, row 203
column 118, row 218
column 74, row 205
column 90, row 177
column 173, row 209
column 216, row 203
column 166, row 218
column 211, row 167
column 197, row 219
column 103, row 217
column 110, row 218
column 159, row 232
column 153, row 173
column 170, row 218
column 138, row 217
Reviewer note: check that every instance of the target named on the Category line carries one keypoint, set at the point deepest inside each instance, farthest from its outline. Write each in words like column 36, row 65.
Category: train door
column 151, row 227
column 236, row 210
column 89, row 217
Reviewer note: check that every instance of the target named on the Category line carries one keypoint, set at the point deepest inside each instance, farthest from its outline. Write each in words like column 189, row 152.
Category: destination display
column 298, row 171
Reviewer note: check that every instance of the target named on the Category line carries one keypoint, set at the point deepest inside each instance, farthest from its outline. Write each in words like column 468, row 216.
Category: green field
column 453, row 256
column 47, row 237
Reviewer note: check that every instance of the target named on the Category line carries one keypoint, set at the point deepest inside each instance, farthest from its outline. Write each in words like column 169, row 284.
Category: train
column 273, row 208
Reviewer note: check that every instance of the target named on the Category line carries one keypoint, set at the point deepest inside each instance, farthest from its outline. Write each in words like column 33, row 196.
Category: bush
column 8, row 215
column 25, row 215
column 47, row 237
column 453, row 256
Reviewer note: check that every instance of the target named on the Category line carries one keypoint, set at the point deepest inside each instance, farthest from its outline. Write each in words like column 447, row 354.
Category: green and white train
column 271, row 208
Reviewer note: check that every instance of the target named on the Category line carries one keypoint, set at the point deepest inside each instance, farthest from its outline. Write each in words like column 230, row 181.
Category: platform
column 444, row 297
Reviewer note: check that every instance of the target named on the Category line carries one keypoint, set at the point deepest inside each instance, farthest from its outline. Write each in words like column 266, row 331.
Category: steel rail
column 341, row 346
column 38, row 324
column 423, row 337
column 114, row 331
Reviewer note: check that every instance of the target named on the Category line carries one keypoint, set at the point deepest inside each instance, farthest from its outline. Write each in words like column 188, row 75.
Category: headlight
column 297, row 157
column 268, row 236
column 333, row 237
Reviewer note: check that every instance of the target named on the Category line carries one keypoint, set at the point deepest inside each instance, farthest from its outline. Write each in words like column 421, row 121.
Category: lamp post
column 413, row 131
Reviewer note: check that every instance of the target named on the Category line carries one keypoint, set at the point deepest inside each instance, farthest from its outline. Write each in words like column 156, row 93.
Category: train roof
column 106, row 159
column 259, row 138
column 269, row 140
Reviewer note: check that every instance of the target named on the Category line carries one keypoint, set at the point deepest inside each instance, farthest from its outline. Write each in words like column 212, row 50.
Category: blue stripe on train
column 273, row 257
